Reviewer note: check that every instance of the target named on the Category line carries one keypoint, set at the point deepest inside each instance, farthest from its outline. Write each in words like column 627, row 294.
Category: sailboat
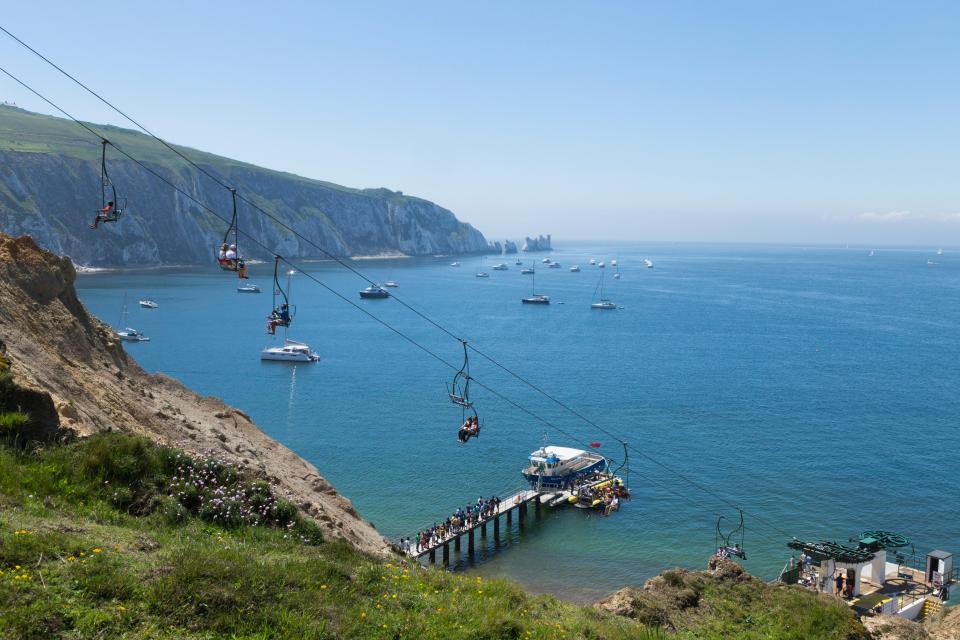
column 129, row 334
column 603, row 303
column 291, row 350
column 535, row 298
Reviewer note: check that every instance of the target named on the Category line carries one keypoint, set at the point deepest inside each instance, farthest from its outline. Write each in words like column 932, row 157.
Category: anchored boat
column 291, row 351
column 374, row 291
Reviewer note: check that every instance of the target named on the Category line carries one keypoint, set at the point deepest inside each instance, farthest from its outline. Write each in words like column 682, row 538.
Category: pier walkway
column 516, row 502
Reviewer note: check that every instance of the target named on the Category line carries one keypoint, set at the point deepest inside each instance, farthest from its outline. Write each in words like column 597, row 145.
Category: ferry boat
column 500, row 267
column 374, row 291
column 291, row 351
column 149, row 304
column 557, row 467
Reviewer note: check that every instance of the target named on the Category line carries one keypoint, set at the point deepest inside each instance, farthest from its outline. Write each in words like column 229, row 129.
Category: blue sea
column 815, row 387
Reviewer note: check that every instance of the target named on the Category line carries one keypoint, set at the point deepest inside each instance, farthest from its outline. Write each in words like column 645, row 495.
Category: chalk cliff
column 50, row 189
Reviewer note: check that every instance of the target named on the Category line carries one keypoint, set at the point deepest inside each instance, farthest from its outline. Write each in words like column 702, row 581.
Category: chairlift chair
column 108, row 191
column 230, row 265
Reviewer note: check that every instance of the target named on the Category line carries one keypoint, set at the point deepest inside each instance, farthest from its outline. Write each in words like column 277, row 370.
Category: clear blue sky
column 756, row 121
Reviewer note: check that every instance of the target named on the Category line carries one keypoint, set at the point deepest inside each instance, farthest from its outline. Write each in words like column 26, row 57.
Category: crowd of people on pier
column 459, row 521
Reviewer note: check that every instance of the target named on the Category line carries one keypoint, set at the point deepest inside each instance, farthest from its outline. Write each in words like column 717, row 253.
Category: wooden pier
column 517, row 502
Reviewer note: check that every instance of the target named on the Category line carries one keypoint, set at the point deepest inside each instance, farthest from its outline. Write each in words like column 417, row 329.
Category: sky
column 812, row 122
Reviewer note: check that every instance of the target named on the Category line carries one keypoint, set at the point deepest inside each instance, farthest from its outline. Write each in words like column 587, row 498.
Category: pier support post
column 433, row 555
column 446, row 554
column 536, row 506
column 483, row 529
column 496, row 529
column 456, row 544
column 470, row 543
column 509, row 518
column 522, row 513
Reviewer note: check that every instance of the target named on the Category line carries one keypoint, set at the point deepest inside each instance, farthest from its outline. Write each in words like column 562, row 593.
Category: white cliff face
column 53, row 197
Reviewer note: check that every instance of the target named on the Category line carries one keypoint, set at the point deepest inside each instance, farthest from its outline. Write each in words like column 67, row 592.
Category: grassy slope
column 75, row 565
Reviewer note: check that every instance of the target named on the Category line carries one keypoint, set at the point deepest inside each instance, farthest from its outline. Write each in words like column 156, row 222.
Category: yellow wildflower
column 97, row 550
column 323, row 586
column 70, row 558
column 363, row 614
column 121, row 608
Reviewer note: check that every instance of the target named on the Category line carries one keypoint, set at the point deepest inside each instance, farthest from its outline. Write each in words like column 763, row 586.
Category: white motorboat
column 613, row 263
column 939, row 252
column 391, row 283
column 616, row 276
column 132, row 335
column 648, row 263
column 593, row 261
column 374, row 291
column 545, row 261
column 483, row 274
column 454, row 264
column 601, row 265
column 554, row 265
column 526, row 271
column 291, row 351
column 518, row 263
column 575, row 269
column 248, row 288
column 500, row 267
column 149, row 304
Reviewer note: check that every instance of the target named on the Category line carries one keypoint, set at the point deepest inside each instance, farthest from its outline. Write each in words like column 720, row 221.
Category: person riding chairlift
column 222, row 256
column 105, row 214
column 278, row 317
column 469, row 429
